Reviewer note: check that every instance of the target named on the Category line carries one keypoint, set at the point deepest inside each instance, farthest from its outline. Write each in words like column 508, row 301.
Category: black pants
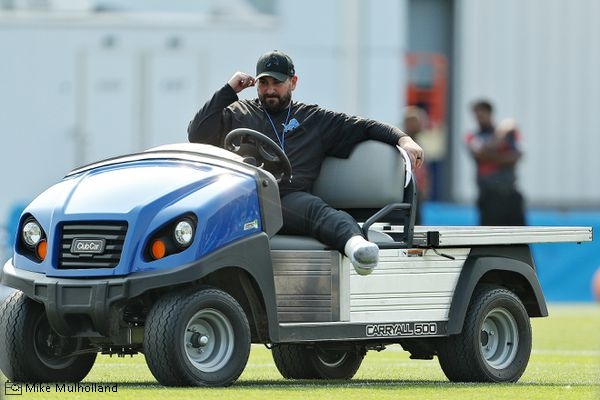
column 307, row 214
column 501, row 206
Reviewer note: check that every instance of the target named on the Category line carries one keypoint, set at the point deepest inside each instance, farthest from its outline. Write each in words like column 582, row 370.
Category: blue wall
column 565, row 269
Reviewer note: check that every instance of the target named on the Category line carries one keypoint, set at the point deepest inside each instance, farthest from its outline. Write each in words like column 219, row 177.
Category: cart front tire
column 197, row 338
column 31, row 351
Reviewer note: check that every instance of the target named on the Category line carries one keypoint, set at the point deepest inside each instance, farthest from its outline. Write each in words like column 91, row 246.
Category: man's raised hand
column 240, row 81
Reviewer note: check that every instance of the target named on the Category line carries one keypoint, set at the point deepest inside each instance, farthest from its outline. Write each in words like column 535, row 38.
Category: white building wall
column 77, row 87
column 348, row 54
column 68, row 96
column 74, row 89
column 537, row 61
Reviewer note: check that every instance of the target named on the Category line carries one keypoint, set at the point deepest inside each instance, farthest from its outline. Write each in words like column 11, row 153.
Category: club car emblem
column 87, row 246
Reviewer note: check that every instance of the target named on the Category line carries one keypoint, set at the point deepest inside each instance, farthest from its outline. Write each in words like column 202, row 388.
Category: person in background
column 307, row 134
column 415, row 121
column 496, row 152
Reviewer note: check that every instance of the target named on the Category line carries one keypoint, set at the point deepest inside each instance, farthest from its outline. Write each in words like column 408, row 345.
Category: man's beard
column 275, row 104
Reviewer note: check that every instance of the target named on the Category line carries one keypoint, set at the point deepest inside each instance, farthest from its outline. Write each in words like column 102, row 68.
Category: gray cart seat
column 371, row 178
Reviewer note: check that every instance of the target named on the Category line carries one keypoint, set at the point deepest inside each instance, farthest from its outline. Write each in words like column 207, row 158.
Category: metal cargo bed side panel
column 322, row 286
column 449, row 236
column 402, row 288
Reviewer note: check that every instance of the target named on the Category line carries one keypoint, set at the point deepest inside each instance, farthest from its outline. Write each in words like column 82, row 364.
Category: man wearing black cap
column 307, row 134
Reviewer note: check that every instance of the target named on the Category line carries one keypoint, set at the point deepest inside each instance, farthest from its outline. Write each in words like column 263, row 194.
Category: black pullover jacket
column 312, row 132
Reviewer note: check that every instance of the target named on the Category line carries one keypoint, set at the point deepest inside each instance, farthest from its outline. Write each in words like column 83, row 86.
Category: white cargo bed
column 451, row 236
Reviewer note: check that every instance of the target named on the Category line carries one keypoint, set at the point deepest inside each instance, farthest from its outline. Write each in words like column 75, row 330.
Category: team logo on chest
column 290, row 126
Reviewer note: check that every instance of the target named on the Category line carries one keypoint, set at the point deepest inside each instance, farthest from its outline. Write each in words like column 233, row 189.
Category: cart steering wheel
column 262, row 151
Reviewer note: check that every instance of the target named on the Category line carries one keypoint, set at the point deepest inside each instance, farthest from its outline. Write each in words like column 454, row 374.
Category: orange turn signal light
column 158, row 249
column 41, row 250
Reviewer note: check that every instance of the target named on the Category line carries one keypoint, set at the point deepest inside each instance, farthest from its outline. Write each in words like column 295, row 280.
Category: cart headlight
column 184, row 232
column 33, row 242
column 172, row 238
column 32, row 233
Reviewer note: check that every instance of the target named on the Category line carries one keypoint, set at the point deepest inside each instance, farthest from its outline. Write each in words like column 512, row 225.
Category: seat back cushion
column 372, row 177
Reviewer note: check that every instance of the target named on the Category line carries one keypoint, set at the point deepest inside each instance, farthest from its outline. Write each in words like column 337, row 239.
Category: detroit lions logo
column 293, row 124
column 273, row 61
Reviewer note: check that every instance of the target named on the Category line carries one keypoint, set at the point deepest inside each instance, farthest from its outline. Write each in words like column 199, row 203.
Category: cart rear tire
column 197, row 338
column 293, row 361
column 333, row 363
column 296, row 361
column 495, row 343
column 31, row 351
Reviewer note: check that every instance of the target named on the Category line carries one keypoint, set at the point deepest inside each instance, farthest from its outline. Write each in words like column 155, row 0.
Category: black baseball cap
column 275, row 64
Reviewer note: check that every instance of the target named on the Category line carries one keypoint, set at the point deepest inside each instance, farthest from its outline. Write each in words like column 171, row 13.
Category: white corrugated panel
column 538, row 62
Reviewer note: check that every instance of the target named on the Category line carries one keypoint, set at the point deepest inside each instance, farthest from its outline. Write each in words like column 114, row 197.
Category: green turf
column 565, row 364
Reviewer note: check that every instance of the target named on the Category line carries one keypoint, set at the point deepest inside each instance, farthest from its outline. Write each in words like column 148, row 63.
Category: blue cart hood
column 146, row 194
column 123, row 189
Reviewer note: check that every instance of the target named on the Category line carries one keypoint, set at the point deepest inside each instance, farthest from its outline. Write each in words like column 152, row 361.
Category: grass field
column 565, row 364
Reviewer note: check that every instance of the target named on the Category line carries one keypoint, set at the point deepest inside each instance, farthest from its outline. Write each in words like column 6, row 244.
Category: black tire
column 331, row 363
column 295, row 361
column 495, row 343
column 197, row 338
column 30, row 351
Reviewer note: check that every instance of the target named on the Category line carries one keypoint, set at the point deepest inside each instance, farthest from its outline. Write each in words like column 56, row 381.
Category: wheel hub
column 484, row 338
column 198, row 340
column 209, row 340
column 499, row 338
